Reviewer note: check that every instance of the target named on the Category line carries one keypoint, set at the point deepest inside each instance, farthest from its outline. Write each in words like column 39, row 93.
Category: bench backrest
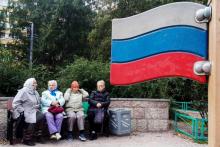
column 9, row 103
column 10, row 100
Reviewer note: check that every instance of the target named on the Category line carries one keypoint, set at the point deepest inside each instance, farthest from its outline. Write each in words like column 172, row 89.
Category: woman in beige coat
column 73, row 107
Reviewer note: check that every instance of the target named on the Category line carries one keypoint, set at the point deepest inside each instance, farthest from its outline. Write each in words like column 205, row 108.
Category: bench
column 11, row 122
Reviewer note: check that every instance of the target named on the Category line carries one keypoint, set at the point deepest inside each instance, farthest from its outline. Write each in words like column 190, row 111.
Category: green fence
column 194, row 128
column 189, row 106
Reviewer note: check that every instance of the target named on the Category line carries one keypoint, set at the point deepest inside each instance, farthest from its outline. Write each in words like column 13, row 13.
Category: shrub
column 86, row 72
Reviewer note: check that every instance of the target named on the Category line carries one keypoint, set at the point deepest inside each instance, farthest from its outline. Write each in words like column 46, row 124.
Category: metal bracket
column 203, row 15
column 202, row 67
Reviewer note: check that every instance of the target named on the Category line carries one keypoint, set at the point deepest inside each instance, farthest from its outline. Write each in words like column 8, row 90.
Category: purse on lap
column 55, row 110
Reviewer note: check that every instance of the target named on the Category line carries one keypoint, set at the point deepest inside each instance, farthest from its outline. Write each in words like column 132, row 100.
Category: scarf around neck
column 53, row 92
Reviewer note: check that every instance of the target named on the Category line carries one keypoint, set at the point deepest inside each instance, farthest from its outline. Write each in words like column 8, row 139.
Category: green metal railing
column 194, row 128
column 188, row 106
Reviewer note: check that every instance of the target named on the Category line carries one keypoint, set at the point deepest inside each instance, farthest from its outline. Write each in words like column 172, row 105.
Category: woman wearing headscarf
column 27, row 103
column 73, row 97
column 53, row 97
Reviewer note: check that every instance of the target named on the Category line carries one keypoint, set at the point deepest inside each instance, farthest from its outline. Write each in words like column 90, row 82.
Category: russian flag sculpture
column 163, row 42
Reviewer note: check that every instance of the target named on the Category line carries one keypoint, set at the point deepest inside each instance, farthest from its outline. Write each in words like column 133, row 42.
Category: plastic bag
column 99, row 116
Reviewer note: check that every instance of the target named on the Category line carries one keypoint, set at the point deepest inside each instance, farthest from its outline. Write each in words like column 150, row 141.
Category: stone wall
column 147, row 114
column 3, row 116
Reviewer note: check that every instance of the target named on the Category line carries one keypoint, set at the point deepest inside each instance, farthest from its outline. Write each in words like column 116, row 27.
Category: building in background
column 5, row 27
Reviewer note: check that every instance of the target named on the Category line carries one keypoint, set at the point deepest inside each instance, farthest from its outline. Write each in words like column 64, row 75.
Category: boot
column 28, row 142
column 39, row 137
column 28, row 135
column 93, row 135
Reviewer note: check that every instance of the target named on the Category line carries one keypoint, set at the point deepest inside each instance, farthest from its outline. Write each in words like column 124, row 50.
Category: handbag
column 99, row 116
column 55, row 110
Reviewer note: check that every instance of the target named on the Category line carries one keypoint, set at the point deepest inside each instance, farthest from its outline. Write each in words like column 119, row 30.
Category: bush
column 86, row 72
column 11, row 79
column 42, row 74
column 179, row 89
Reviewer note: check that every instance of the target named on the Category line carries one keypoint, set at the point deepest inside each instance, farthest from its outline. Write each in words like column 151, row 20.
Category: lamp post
column 31, row 46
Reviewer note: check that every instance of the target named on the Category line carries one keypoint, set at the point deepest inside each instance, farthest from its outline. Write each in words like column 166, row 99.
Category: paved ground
column 166, row 139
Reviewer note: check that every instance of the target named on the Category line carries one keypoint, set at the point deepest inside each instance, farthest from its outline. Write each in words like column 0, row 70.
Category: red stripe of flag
column 172, row 64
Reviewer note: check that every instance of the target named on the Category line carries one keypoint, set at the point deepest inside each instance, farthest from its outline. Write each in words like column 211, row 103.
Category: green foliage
column 11, row 71
column 179, row 89
column 3, row 14
column 42, row 74
column 60, row 28
column 100, row 38
column 86, row 72
column 11, row 78
column 65, row 34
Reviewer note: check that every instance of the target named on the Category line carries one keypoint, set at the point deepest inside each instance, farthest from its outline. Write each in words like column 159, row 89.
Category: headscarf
column 52, row 91
column 29, row 84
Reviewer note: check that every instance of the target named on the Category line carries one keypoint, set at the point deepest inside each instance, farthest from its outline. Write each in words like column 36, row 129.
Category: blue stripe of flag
column 171, row 39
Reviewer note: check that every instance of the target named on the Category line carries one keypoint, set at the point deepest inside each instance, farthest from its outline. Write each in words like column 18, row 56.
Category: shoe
column 93, row 135
column 58, row 136
column 82, row 137
column 29, row 143
column 40, row 140
column 53, row 136
column 69, row 136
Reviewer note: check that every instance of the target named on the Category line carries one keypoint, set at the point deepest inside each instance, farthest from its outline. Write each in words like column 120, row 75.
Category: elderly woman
column 73, row 97
column 99, row 99
column 27, row 103
column 53, row 98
